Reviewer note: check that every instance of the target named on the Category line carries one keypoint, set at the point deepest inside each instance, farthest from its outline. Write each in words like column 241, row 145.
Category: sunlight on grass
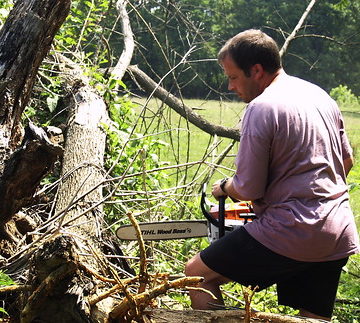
column 352, row 125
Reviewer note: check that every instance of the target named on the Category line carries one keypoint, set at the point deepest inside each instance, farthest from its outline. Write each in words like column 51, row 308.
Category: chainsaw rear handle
column 217, row 223
column 222, row 216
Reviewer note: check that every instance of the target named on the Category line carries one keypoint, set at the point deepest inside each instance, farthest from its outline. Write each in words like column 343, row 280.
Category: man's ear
column 257, row 71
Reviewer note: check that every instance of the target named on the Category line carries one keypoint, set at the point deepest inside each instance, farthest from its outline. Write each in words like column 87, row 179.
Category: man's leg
column 308, row 314
column 212, row 280
column 313, row 289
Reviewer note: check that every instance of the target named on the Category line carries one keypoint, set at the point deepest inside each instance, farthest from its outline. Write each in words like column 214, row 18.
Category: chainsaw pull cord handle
column 222, row 216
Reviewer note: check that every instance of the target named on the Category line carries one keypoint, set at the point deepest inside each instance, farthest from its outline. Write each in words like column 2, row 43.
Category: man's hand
column 217, row 191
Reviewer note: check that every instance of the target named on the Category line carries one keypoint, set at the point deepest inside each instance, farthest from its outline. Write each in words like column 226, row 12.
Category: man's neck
column 272, row 78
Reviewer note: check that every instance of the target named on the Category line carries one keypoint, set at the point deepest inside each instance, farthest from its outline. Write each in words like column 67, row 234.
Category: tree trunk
column 25, row 39
column 23, row 173
column 82, row 169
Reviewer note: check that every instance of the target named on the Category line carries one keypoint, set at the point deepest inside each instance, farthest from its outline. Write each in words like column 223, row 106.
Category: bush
column 344, row 97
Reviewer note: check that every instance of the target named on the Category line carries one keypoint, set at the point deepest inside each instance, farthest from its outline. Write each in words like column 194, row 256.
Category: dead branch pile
column 57, row 268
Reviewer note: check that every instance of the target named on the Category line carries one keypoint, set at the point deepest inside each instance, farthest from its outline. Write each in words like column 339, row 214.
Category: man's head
column 252, row 47
column 251, row 62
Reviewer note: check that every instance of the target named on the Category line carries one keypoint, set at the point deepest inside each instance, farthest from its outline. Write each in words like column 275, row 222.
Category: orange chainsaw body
column 234, row 211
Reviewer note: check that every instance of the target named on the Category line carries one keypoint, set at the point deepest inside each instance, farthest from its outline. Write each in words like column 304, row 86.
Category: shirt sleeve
column 252, row 160
column 346, row 149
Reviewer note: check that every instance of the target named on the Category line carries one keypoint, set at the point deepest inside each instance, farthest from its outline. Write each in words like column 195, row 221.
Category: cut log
column 82, row 169
column 220, row 316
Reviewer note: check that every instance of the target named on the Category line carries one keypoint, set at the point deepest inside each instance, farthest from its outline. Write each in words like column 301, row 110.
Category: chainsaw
column 219, row 220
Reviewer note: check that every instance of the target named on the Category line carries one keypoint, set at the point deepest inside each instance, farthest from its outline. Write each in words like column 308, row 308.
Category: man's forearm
column 227, row 190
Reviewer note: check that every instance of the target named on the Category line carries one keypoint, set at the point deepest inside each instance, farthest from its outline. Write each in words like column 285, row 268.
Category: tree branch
column 174, row 103
column 125, row 58
column 297, row 28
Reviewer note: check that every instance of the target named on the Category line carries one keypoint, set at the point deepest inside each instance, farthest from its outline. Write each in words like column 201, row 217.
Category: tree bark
column 82, row 169
column 129, row 45
column 23, row 173
column 25, row 39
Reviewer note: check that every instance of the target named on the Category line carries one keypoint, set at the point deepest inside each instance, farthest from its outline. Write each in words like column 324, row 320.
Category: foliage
column 129, row 152
column 325, row 51
column 5, row 7
column 345, row 97
column 5, row 280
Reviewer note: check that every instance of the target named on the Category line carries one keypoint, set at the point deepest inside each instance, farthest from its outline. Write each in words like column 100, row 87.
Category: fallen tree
column 62, row 257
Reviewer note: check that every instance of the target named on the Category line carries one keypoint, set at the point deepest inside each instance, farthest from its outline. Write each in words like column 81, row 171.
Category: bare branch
column 176, row 104
column 297, row 28
column 125, row 58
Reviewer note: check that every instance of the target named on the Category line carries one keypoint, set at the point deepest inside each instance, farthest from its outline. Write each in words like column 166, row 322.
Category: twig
column 14, row 288
column 248, row 293
column 143, row 276
column 200, row 289
column 112, row 290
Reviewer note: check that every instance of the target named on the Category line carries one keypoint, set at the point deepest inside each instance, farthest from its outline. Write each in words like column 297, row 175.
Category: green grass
column 352, row 125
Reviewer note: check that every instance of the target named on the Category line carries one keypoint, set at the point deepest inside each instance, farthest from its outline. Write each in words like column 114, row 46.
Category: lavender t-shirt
column 290, row 163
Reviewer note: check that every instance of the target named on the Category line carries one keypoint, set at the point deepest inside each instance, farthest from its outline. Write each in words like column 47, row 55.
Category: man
column 292, row 163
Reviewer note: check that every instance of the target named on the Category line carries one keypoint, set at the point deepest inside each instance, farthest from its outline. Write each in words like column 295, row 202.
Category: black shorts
column 310, row 286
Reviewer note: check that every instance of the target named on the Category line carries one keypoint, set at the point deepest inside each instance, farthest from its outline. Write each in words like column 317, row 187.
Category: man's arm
column 228, row 190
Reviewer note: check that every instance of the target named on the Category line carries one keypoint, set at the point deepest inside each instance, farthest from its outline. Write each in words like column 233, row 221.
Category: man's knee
column 196, row 267
column 193, row 266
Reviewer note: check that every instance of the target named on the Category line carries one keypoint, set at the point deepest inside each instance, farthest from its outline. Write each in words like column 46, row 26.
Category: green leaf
column 5, row 280
column 52, row 102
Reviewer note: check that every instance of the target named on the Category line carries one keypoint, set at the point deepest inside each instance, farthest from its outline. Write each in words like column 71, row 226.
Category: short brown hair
column 252, row 47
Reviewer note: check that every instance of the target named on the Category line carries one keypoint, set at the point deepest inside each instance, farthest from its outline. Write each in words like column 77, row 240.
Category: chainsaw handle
column 204, row 202
column 216, row 222
column 222, row 216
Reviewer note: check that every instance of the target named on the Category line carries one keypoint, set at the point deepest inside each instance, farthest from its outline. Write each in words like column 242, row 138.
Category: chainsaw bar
column 168, row 230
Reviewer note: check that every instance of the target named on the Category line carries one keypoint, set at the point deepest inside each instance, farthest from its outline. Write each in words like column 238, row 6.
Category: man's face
column 247, row 88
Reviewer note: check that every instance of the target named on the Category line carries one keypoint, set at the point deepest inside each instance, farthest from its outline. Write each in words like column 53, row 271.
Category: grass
column 187, row 142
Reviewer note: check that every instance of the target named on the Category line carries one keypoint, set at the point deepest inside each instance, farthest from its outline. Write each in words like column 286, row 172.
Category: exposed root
column 142, row 300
